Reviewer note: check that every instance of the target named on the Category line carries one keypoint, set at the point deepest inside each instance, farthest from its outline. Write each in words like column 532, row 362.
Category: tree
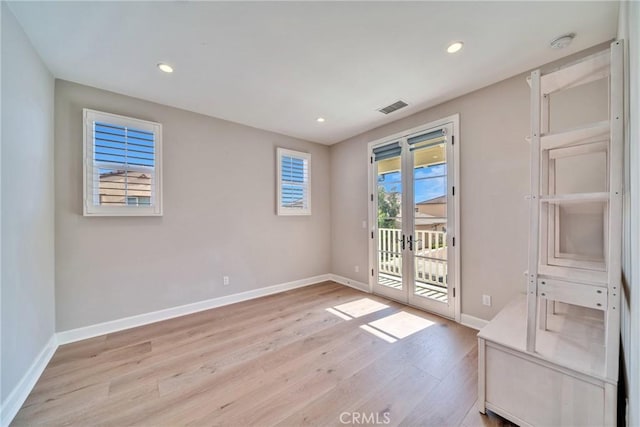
column 388, row 207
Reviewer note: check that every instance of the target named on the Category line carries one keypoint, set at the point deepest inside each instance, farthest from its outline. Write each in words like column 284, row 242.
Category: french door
column 413, row 212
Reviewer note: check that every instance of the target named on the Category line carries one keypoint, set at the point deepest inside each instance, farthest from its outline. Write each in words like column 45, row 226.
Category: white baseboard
column 19, row 394
column 78, row 334
column 350, row 282
column 473, row 322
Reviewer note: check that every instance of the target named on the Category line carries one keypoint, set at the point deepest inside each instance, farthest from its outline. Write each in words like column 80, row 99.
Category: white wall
column 27, row 205
column 494, row 182
column 219, row 217
column 630, row 325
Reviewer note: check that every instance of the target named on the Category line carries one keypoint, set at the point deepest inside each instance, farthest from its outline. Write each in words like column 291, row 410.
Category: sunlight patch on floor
column 338, row 314
column 390, row 328
column 357, row 308
column 401, row 324
column 379, row 334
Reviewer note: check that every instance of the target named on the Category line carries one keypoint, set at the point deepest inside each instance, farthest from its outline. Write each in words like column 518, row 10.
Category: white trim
column 457, row 209
column 91, row 331
column 473, row 322
column 19, row 394
column 306, row 208
column 88, row 165
column 631, row 15
column 350, row 283
column 454, row 118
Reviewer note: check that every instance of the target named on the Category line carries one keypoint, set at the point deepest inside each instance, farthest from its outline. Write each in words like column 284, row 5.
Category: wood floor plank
column 301, row 357
column 454, row 343
column 450, row 401
column 290, row 361
column 403, row 394
column 62, row 404
column 179, row 352
column 192, row 326
column 276, row 400
column 199, row 385
column 196, row 325
column 348, row 394
column 476, row 419
column 374, row 380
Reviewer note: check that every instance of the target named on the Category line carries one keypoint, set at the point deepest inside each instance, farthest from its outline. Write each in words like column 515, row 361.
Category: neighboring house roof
column 299, row 203
column 122, row 173
column 426, row 219
column 435, row 201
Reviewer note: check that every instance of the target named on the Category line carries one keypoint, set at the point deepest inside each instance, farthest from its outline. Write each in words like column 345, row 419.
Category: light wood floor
column 280, row 360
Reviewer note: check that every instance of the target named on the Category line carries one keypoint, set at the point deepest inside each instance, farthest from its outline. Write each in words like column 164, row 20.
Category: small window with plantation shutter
column 122, row 165
column 294, row 182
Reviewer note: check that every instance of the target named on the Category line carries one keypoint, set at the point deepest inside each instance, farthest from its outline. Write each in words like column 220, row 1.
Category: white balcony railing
column 430, row 255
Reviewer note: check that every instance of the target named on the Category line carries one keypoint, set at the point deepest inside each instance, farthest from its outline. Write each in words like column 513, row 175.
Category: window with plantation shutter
column 122, row 165
column 294, row 182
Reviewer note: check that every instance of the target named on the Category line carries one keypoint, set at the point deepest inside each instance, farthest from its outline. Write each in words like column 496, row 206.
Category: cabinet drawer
column 539, row 394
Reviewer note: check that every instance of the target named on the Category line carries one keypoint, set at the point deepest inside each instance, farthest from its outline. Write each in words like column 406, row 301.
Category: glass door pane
column 413, row 210
column 430, row 222
column 390, row 237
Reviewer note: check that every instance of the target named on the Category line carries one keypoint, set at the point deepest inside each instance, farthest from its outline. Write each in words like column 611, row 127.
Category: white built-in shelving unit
column 551, row 356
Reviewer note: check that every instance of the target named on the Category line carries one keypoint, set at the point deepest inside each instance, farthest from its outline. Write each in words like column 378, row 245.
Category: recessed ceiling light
column 165, row 67
column 454, row 47
column 562, row 41
column 320, row 120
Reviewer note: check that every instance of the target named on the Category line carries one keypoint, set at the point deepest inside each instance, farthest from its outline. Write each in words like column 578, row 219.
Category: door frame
column 455, row 121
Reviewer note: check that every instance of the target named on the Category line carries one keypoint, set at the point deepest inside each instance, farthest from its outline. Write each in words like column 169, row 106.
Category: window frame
column 89, row 208
column 288, row 211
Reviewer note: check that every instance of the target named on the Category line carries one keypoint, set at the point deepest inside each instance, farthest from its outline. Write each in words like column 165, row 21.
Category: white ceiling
column 280, row 65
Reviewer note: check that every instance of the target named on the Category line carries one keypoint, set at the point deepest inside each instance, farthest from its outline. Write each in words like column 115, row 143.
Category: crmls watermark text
column 365, row 418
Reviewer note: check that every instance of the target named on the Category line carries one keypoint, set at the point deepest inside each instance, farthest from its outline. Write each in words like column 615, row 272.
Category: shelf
column 575, row 198
column 592, row 132
column 576, row 275
column 573, row 293
column 585, row 264
column 574, row 337
column 583, row 71
column 564, row 332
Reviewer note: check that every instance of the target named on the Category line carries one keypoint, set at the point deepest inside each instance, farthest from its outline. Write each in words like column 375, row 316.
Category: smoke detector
column 562, row 41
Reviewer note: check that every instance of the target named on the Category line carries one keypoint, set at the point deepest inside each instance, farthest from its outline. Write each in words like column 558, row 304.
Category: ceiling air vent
column 393, row 107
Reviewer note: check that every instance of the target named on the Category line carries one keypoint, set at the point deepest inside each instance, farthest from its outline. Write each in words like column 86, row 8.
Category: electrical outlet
column 356, row 269
column 225, row 280
column 486, row 300
column 364, row 224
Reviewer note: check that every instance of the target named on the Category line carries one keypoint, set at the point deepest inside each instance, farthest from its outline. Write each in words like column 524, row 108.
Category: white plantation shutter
column 294, row 182
column 122, row 162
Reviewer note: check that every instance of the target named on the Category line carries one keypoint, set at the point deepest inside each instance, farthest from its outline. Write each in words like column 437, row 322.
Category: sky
column 294, row 177
column 430, row 182
column 120, row 145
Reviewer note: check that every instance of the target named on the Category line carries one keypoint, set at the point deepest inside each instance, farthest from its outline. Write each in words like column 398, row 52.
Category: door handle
column 401, row 240
column 413, row 241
